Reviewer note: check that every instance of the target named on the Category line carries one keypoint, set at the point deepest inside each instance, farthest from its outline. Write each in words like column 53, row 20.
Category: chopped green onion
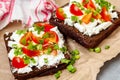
column 80, row 21
column 32, row 60
column 26, row 59
column 71, row 68
column 107, row 47
column 41, row 41
column 91, row 50
column 75, row 52
column 56, row 46
column 88, row 11
column 18, row 51
column 63, row 49
column 92, row 19
column 77, row 57
column 31, row 46
column 47, row 35
column 21, row 32
column 39, row 47
column 46, row 60
column 97, row 50
column 23, row 41
column 57, row 75
column 38, row 28
column 49, row 50
column 74, row 18
column 65, row 61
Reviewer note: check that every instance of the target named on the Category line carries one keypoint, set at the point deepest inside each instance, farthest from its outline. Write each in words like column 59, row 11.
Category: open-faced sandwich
column 36, row 51
column 87, row 21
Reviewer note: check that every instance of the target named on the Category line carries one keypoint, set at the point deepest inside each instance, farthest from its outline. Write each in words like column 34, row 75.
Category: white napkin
column 28, row 11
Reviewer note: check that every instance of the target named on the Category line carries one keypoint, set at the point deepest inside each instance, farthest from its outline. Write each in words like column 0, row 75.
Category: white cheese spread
column 52, row 60
column 92, row 28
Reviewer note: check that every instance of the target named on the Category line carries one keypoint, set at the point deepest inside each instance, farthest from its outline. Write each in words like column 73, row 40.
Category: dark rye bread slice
column 44, row 71
column 84, row 40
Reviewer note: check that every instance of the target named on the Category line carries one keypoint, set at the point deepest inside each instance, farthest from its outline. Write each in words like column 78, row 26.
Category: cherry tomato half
column 60, row 14
column 75, row 10
column 30, row 53
column 105, row 15
column 47, row 27
column 18, row 62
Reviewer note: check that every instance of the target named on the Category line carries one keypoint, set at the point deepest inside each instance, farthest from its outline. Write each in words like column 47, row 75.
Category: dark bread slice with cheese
column 43, row 71
column 84, row 40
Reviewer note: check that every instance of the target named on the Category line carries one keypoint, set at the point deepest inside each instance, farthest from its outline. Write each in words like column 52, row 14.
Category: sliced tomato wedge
column 53, row 37
column 88, row 4
column 60, row 13
column 30, row 53
column 47, row 27
column 26, row 38
column 105, row 15
column 18, row 62
column 75, row 10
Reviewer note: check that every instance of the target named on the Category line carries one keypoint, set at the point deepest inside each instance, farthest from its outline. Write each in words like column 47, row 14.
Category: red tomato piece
column 47, row 27
column 60, row 14
column 105, row 15
column 30, row 53
column 89, row 4
column 75, row 10
column 18, row 62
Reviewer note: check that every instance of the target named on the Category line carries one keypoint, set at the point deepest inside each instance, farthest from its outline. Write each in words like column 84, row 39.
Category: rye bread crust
column 44, row 71
column 84, row 40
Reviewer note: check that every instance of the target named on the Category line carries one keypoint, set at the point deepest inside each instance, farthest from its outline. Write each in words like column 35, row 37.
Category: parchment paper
column 88, row 66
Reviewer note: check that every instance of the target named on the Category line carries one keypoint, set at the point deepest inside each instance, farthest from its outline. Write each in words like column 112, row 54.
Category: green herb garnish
column 56, row 46
column 65, row 61
column 88, row 11
column 71, row 68
column 46, row 60
column 28, row 60
column 46, row 35
column 63, row 49
column 92, row 19
column 23, row 41
column 21, row 32
column 31, row 46
column 18, row 51
column 74, row 18
column 97, row 50
column 49, row 50
column 75, row 52
column 38, row 28
column 39, row 47
column 107, row 47
column 57, row 75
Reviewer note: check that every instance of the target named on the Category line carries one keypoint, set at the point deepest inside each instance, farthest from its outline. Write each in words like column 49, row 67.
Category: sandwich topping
column 88, row 16
column 38, row 46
